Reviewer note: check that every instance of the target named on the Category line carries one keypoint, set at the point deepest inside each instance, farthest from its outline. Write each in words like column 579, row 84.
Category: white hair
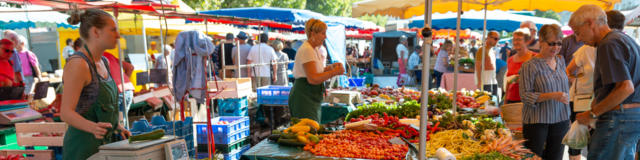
column 21, row 40
column 588, row 12
column 529, row 24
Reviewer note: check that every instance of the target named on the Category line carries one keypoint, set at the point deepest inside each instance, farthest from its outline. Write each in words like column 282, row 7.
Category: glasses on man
column 494, row 38
column 7, row 50
column 558, row 43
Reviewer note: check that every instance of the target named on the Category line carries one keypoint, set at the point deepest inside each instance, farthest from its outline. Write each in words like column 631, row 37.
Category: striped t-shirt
column 536, row 77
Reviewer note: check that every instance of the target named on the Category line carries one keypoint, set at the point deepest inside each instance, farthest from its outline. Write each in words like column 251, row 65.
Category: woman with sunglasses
column 6, row 65
column 514, row 63
column 89, row 98
column 544, row 89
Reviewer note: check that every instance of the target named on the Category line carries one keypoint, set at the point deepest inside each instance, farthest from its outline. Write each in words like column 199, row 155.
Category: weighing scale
column 13, row 111
column 167, row 146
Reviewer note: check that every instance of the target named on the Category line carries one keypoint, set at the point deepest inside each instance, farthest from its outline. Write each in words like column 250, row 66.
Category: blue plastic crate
column 234, row 112
column 234, row 155
column 233, row 107
column 278, row 95
column 356, row 82
column 182, row 129
column 225, row 132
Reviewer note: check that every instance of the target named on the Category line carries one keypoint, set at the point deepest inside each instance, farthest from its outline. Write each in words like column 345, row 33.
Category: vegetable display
column 303, row 131
column 407, row 109
column 457, row 141
column 358, row 144
column 389, row 125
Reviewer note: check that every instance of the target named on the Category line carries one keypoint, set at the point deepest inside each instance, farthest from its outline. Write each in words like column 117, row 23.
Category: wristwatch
column 593, row 115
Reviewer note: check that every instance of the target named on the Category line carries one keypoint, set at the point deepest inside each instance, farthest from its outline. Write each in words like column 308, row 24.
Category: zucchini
column 274, row 137
column 153, row 135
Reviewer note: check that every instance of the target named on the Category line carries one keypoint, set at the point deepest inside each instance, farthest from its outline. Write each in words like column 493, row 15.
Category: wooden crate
column 25, row 132
column 159, row 92
column 31, row 154
column 230, row 88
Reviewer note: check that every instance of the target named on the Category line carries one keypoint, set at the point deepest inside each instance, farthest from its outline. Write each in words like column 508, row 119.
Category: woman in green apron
column 89, row 98
column 310, row 72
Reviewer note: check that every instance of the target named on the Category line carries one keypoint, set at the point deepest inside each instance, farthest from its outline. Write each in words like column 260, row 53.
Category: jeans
column 125, row 105
column 438, row 77
column 28, row 84
column 616, row 135
column 545, row 140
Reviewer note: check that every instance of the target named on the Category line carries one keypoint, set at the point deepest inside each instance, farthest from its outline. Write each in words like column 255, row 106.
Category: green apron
column 305, row 99
column 79, row 144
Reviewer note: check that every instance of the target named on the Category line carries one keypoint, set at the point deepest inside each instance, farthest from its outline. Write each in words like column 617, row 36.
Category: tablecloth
column 465, row 80
column 268, row 150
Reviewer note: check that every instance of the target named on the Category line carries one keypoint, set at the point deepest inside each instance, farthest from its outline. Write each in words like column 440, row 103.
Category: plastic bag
column 577, row 137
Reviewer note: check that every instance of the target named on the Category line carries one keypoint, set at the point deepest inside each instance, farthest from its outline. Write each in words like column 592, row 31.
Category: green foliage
column 408, row 109
column 487, row 156
column 377, row 19
column 548, row 14
column 326, row 7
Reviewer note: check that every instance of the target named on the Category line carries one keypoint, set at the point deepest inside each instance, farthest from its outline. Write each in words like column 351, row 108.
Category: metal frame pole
column 125, row 114
column 484, row 46
column 426, row 55
column 146, row 51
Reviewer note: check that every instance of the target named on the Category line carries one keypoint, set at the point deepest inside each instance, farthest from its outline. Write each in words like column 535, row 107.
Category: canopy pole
column 455, row 59
column 125, row 113
column 426, row 56
column 484, row 45
column 238, row 71
column 146, row 51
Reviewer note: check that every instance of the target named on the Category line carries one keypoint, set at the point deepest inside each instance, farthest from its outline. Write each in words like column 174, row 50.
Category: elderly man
column 241, row 51
column 616, row 102
column 486, row 78
column 263, row 55
column 533, row 43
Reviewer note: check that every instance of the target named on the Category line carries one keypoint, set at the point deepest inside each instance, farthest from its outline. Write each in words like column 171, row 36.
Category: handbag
column 581, row 102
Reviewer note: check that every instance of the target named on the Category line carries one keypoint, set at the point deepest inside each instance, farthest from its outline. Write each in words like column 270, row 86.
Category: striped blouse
column 536, row 77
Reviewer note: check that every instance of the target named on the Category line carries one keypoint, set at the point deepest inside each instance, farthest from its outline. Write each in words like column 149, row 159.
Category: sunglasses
column 7, row 50
column 494, row 38
column 554, row 43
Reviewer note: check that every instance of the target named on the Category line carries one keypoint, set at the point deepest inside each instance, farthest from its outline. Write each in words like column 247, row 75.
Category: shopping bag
column 577, row 137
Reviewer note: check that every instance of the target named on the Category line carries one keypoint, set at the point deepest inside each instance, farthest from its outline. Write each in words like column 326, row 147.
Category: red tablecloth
column 465, row 80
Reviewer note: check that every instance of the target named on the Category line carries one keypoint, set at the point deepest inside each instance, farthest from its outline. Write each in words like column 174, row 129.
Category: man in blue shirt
column 616, row 102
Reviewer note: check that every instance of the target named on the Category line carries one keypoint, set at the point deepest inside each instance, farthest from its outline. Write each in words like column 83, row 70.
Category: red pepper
column 435, row 127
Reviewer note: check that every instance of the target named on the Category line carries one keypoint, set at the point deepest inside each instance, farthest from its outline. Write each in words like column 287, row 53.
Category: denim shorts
column 616, row 135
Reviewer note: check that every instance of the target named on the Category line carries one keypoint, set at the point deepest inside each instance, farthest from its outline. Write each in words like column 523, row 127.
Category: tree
column 547, row 14
column 325, row 7
column 377, row 19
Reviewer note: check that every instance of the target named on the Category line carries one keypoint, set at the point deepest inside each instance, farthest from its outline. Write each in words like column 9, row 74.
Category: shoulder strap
column 92, row 66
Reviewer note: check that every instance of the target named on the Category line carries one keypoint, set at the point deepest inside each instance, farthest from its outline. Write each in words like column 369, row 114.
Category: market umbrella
column 17, row 18
column 410, row 8
column 496, row 20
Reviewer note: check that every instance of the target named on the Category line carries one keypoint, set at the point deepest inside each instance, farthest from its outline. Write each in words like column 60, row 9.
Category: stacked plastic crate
column 273, row 95
column 182, row 129
column 233, row 107
column 231, row 136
